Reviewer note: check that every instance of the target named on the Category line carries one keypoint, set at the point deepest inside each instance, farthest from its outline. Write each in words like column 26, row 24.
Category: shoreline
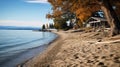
column 50, row 45
column 76, row 49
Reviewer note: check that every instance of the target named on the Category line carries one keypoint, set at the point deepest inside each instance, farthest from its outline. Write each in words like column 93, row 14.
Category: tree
column 51, row 25
column 60, row 23
column 106, row 6
column 111, row 16
column 59, row 11
column 43, row 27
column 83, row 9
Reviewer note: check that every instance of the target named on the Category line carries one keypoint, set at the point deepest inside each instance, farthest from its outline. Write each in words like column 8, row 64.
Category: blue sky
column 24, row 12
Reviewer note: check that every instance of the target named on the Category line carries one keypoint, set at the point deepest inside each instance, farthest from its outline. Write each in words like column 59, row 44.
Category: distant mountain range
column 18, row 28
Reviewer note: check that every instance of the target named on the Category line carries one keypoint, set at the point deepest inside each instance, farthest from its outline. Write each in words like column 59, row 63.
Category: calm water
column 17, row 46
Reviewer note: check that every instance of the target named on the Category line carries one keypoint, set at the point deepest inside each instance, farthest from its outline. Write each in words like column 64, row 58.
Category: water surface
column 17, row 46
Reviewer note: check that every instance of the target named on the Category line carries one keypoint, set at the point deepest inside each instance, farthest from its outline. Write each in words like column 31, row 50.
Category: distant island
column 18, row 28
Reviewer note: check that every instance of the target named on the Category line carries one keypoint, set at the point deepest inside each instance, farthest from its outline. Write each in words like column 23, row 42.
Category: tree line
column 48, row 26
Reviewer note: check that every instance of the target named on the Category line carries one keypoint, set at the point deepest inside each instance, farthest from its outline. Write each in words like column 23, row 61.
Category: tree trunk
column 111, row 17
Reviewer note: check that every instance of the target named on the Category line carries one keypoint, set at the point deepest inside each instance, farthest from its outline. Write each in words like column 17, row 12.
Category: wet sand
column 79, row 49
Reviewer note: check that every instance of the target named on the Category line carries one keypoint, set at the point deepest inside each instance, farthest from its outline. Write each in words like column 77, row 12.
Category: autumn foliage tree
column 83, row 9
column 60, row 12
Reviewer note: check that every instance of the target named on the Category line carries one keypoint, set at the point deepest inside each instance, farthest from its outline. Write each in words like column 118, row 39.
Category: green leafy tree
column 60, row 23
column 51, row 26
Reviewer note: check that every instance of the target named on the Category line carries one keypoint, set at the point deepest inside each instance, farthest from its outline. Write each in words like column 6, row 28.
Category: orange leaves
column 83, row 16
column 60, row 2
column 83, row 13
column 84, row 8
column 49, row 16
column 57, row 13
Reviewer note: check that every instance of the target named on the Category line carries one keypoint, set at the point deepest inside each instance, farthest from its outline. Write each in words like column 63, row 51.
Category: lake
column 17, row 46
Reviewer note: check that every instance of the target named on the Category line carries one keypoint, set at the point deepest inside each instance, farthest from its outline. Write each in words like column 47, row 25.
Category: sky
column 24, row 12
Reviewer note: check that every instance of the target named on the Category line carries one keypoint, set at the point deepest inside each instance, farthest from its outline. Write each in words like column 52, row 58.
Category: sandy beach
column 79, row 49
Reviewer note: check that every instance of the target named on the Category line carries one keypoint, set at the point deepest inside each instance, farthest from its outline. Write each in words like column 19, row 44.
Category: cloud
column 20, row 23
column 37, row 1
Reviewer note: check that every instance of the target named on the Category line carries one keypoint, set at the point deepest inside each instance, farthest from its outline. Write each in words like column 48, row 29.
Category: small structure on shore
column 96, row 22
